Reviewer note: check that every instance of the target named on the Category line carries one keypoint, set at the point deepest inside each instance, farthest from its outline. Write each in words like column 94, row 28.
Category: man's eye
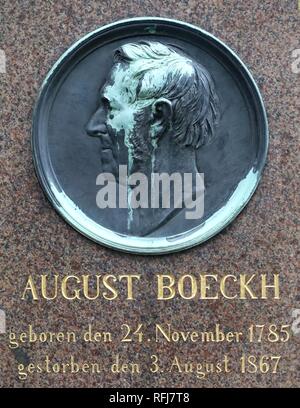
column 105, row 102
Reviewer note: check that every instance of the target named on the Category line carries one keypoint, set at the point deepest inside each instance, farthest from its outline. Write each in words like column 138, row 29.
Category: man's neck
column 170, row 157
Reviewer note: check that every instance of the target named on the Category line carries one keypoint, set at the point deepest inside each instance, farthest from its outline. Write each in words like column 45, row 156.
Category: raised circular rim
column 142, row 245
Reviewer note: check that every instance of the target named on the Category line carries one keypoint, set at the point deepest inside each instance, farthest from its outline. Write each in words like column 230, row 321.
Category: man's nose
column 96, row 125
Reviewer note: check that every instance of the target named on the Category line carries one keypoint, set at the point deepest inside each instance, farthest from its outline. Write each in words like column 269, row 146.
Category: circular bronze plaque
column 149, row 135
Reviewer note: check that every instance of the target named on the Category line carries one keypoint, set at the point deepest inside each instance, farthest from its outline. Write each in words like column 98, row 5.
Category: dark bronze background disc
column 67, row 160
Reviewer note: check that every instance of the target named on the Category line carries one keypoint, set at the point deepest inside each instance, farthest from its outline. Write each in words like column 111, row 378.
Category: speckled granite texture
column 34, row 239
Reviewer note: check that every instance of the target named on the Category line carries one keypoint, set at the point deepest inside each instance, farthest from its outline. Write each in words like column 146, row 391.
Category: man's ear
column 162, row 112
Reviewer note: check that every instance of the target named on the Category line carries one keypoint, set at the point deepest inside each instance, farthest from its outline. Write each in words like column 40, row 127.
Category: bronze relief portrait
column 149, row 135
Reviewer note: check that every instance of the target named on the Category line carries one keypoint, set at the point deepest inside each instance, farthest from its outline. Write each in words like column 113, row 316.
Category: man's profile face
column 118, row 115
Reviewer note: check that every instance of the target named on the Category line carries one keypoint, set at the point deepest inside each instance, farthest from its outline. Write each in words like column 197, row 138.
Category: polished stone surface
column 34, row 239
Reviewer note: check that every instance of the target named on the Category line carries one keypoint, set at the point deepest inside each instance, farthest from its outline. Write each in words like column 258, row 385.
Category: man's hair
column 164, row 72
